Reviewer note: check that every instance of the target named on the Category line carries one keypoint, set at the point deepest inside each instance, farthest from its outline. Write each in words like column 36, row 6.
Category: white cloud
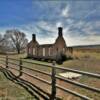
column 65, row 11
column 80, row 24
column 43, row 37
column 70, row 37
column 59, row 24
column 69, row 21
column 90, row 13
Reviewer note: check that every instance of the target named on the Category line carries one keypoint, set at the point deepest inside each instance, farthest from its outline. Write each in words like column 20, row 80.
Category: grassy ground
column 11, row 91
column 89, row 62
column 84, row 61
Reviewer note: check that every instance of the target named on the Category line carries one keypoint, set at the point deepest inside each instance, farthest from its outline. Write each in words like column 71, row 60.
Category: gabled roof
column 31, row 43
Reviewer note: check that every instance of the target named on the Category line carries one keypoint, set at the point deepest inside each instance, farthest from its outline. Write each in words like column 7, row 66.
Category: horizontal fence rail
column 42, row 72
column 74, row 93
column 54, row 77
column 68, row 69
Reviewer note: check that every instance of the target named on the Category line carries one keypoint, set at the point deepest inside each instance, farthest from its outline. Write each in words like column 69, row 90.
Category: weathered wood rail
column 5, row 61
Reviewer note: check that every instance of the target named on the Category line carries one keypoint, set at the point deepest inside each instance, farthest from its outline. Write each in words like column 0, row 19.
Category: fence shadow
column 35, row 91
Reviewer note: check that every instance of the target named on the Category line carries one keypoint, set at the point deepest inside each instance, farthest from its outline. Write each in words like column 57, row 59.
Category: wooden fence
column 5, row 61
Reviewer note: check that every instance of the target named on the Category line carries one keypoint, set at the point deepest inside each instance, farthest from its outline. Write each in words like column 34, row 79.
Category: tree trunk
column 18, row 51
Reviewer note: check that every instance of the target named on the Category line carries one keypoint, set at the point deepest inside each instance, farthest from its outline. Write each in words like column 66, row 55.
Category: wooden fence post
column 7, row 61
column 53, row 90
column 20, row 67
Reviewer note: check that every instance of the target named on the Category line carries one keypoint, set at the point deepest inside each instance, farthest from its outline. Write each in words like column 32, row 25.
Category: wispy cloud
column 65, row 12
column 80, row 21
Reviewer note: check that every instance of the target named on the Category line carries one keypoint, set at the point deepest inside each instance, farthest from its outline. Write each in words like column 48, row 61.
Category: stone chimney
column 33, row 37
column 60, row 29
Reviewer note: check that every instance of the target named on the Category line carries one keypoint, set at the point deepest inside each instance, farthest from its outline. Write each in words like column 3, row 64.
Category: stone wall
column 34, row 49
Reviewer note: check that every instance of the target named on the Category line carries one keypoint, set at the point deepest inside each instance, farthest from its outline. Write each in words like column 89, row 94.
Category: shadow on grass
column 35, row 91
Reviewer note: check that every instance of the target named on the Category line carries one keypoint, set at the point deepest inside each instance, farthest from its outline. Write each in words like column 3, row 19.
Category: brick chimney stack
column 60, row 29
column 33, row 37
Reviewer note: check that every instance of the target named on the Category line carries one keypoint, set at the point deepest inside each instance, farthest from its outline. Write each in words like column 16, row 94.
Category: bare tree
column 17, row 39
column 2, row 47
column 1, row 38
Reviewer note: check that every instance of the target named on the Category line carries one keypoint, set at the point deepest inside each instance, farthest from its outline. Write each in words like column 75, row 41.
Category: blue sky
column 80, row 19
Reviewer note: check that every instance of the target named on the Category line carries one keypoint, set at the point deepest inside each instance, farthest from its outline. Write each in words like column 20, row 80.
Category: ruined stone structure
column 47, row 51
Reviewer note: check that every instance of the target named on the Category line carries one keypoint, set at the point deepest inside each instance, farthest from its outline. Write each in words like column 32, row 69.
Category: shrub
column 60, row 58
column 2, row 53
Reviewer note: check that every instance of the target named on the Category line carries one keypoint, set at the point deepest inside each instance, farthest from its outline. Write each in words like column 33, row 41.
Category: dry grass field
column 88, row 61
column 85, row 61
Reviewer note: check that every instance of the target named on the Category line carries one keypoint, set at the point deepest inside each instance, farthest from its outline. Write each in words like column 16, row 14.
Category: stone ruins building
column 47, row 51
